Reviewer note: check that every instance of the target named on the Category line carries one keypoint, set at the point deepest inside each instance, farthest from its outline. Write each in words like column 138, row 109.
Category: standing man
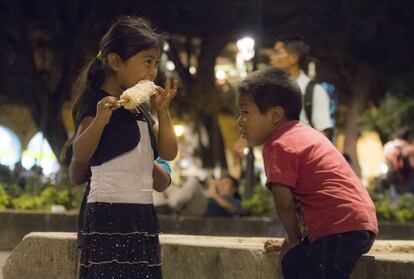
column 291, row 54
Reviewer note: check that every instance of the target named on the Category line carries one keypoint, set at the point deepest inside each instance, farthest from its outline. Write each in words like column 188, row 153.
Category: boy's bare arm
column 286, row 211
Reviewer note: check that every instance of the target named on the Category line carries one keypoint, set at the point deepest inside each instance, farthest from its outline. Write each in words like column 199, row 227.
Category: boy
column 309, row 179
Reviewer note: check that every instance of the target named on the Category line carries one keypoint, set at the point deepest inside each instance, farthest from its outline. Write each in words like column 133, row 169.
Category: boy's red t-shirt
column 331, row 196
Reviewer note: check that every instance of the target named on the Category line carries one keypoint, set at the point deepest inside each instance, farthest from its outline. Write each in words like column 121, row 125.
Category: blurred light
column 9, row 147
column 170, row 66
column 246, row 48
column 311, row 69
column 233, row 72
column 221, row 75
column 246, row 151
column 192, row 70
column 383, row 169
column 166, row 47
column 179, row 130
column 185, row 163
column 40, row 153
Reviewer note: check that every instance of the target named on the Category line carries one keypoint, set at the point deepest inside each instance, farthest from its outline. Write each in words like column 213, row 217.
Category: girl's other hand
column 163, row 97
column 104, row 109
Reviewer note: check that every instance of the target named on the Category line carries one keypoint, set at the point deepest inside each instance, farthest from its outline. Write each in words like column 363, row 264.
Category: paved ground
column 3, row 256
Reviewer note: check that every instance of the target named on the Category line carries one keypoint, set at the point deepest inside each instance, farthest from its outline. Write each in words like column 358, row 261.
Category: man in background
column 291, row 54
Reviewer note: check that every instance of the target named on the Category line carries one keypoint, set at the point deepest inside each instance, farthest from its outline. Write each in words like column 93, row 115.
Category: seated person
column 221, row 199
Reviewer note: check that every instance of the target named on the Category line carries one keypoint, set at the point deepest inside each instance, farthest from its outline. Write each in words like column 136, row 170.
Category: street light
column 246, row 48
column 246, row 53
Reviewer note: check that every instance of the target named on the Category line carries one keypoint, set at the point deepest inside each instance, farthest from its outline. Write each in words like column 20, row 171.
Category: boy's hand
column 273, row 246
column 286, row 247
column 279, row 246
column 163, row 97
column 104, row 109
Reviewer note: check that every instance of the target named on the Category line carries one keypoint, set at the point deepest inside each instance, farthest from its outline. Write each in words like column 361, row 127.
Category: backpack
column 308, row 100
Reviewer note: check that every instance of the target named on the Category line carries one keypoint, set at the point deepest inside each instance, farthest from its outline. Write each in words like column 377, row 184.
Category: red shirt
column 331, row 196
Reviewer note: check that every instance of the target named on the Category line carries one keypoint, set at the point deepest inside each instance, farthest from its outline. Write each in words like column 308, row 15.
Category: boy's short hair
column 271, row 87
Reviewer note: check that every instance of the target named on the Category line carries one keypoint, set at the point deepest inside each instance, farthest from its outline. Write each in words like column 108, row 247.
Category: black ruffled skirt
column 120, row 241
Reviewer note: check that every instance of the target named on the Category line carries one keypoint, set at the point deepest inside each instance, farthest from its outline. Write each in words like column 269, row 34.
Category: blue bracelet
column 164, row 164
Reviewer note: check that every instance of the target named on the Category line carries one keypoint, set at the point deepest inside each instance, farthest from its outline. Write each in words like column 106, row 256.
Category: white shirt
column 320, row 105
column 128, row 177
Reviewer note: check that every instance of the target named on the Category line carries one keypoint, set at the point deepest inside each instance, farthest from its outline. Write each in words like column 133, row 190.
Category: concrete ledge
column 42, row 256
column 15, row 224
column 54, row 255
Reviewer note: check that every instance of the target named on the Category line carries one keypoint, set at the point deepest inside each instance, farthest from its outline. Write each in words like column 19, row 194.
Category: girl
column 114, row 149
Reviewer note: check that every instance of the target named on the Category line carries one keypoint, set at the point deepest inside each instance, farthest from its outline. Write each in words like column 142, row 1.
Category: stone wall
column 15, row 224
column 54, row 255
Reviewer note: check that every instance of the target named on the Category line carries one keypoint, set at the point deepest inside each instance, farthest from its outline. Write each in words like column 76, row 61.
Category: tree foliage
column 362, row 46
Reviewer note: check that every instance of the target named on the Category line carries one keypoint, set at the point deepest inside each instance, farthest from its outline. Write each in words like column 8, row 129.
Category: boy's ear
column 278, row 113
column 114, row 61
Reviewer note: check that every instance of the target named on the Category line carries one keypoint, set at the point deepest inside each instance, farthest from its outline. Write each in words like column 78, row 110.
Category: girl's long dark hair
column 126, row 37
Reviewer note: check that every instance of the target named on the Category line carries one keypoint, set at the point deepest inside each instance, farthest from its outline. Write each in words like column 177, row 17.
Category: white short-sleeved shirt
column 320, row 105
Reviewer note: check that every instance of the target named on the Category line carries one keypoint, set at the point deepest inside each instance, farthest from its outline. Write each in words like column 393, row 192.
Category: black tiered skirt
column 120, row 241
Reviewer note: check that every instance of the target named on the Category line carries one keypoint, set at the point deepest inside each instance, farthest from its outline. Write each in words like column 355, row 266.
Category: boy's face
column 255, row 127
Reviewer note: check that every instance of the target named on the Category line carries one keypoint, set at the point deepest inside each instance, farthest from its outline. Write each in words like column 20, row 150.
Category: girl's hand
column 104, row 109
column 163, row 97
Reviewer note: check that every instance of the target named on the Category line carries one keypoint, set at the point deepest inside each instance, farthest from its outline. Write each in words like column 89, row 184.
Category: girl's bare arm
column 161, row 178
column 167, row 141
column 87, row 139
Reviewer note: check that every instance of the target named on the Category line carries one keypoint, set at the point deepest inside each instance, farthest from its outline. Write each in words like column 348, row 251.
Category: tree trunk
column 361, row 87
column 204, row 104
column 213, row 154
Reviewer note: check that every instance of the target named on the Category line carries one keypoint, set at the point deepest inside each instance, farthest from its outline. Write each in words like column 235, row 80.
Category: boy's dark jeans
column 330, row 257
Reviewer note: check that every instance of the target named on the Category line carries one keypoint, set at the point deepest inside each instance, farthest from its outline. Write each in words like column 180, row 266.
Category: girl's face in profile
column 141, row 66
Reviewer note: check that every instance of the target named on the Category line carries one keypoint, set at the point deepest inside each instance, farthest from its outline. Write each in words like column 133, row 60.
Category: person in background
column 291, row 54
column 187, row 198
column 399, row 158
column 223, row 197
column 220, row 199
